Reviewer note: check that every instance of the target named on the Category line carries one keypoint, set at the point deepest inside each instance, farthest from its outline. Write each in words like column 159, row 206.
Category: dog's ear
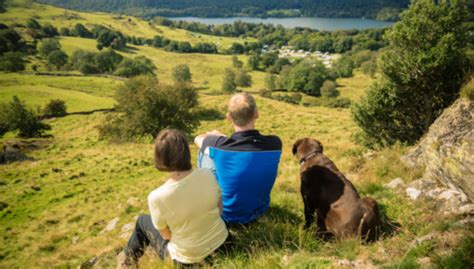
column 320, row 147
column 296, row 145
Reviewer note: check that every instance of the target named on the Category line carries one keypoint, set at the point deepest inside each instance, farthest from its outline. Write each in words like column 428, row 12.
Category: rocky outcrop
column 447, row 150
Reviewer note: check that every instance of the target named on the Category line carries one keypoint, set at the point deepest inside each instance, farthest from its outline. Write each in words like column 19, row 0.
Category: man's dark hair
column 172, row 151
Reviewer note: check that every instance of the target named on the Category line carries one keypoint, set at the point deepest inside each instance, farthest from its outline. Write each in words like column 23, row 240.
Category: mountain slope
column 216, row 8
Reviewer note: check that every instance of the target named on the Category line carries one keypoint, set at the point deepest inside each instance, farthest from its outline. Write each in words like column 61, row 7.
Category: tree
column 57, row 58
column 64, row 31
column 422, row 71
column 17, row 116
column 33, row 24
column 185, row 47
column 329, row 89
column 182, row 74
column 236, row 63
column 254, row 61
column 228, row 84
column 12, row 62
column 146, row 107
column 242, row 78
column 270, row 82
column 113, row 39
column 47, row 46
column 107, row 60
column 55, row 108
column 344, row 67
column 268, row 59
column 81, row 31
column 133, row 67
column 306, row 76
column 49, row 31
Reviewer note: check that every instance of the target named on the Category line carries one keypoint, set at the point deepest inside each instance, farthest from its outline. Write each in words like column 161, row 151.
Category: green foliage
column 64, row 31
column 460, row 258
column 55, row 108
column 228, row 84
column 182, row 74
column 57, row 58
column 306, row 77
column 243, row 78
column 107, row 60
column 468, row 90
column 344, row 67
column 33, row 24
column 113, row 39
column 134, row 67
column 254, row 61
column 329, row 89
column 423, row 69
column 16, row 116
column 236, row 63
column 145, row 107
column 12, row 62
column 270, row 82
column 48, row 45
column 81, row 31
column 10, row 40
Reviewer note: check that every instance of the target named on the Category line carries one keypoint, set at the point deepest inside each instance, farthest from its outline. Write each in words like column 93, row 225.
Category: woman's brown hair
column 172, row 151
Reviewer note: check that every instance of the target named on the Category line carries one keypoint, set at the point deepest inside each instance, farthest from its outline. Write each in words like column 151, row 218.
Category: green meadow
column 58, row 203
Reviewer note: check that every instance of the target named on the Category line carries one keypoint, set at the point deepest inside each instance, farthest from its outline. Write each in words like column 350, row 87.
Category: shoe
column 125, row 262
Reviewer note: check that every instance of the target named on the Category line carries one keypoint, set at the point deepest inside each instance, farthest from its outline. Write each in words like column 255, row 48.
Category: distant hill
column 379, row 9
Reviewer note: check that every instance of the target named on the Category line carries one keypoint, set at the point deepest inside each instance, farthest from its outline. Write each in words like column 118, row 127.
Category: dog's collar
column 307, row 157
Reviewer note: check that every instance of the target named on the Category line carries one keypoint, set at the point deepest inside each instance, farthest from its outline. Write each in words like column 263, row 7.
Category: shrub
column 55, row 108
column 57, row 58
column 329, row 89
column 135, row 67
column 423, row 69
column 48, row 45
column 182, row 74
column 16, row 116
column 107, row 60
column 228, row 84
column 344, row 67
column 145, row 107
column 242, row 78
column 270, row 82
column 12, row 62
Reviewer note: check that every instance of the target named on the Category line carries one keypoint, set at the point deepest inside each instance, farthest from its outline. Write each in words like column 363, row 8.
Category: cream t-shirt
column 189, row 207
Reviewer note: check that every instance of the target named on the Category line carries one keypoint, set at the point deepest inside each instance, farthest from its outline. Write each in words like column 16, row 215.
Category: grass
column 207, row 69
column 79, row 93
column 20, row 11
column 54, row 207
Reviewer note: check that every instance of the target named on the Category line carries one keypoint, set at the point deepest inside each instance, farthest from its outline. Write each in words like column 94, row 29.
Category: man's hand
column 215, row 132
column 200, row 138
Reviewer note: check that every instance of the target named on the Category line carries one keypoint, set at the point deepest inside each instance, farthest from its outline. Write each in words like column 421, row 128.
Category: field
column 55, row 207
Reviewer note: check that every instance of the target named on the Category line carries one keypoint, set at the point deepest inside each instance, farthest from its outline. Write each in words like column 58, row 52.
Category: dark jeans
column 145, row 234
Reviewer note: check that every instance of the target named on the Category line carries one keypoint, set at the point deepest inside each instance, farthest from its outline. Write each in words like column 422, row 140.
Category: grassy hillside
column 55, row 206
column 20, row 11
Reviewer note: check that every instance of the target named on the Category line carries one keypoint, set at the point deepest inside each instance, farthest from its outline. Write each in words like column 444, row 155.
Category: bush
column 12, row 62
column 468, row 90
column 270, row 82
column 145, row 107
column 16, row 116
column 55, row 108
column 344, row 67
column 423, row 69
column 107, row 60
column 242, row 78
column 57, row 58
column 306, row 77
column 329, row 89
column 135, row 67
column 182, row 74
column 48, row 45
column 228, row 84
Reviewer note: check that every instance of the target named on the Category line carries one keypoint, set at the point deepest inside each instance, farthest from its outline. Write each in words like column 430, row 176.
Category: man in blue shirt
column 242, row 207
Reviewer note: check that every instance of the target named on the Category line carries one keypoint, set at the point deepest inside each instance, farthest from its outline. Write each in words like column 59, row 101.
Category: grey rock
column 447, row 149
column 467, row 209
column 396, row 183
column 110, row 226
column 413, row 193
column 75, row 240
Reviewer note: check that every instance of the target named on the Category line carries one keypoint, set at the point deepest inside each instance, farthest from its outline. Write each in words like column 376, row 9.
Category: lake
column 328, row 24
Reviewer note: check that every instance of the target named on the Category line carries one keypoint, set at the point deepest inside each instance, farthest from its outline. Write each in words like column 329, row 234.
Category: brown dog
column 326, row 191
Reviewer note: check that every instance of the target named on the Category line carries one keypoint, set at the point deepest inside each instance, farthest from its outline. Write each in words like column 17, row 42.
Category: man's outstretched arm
column 200, row 138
